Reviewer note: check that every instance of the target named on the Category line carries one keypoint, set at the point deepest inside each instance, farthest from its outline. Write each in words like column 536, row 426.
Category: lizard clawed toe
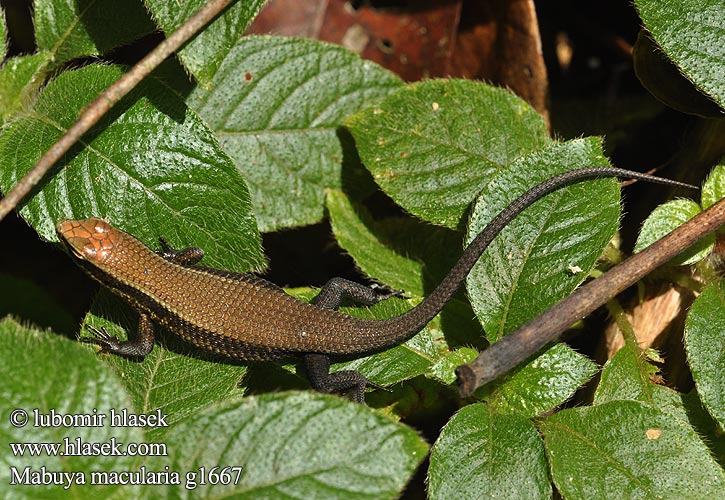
column 101, row 338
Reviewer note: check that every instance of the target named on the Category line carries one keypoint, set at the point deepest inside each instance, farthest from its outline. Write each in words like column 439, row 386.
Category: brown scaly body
column 239, row 316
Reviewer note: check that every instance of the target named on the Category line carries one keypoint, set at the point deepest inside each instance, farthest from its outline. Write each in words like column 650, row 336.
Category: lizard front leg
column 138, row 347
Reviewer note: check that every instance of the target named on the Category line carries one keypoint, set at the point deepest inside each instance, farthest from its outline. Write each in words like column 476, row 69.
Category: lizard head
column 87, row 239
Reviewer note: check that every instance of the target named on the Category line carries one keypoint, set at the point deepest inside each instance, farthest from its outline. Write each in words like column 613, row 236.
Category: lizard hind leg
column 318, row 365
column 351, row 382
column 338, row 289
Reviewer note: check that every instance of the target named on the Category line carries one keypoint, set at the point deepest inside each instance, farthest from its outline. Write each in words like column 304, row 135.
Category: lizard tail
column 400, row 328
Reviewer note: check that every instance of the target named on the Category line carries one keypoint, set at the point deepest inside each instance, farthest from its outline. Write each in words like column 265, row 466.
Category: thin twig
column 106, row 99
column 528, row 339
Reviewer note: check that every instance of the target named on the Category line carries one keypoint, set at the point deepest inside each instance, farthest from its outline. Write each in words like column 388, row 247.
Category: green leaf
column 484, row 454
column 277, row 105
column 402, row 253
column 629, row 374
column 709, row 429
column 68, row 29
column 152, row 168
column 44, row 372
column 705, row 345
column 689, row 409
column 628, row 449
column 445, row 369
column 549, row 249
column 691, row 32
column 433, row 146
column 460, row 325
column 668, row 217
column 174, row 378
column 665, row 81
column 295, row 445
column 203, row 55
column 714, row 188
column 627, row 377
column 20, row 78
column 543, row 383
column 351, row 225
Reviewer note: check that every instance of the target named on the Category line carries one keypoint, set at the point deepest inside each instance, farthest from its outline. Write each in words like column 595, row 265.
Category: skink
column 244, row 317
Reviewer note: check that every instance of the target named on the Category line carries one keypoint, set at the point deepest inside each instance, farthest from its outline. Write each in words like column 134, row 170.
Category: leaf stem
column 623, row 323
column 109, row 97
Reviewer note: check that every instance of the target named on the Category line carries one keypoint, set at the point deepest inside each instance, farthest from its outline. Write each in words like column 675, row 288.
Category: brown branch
column 106, row 99
column 528, row 339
